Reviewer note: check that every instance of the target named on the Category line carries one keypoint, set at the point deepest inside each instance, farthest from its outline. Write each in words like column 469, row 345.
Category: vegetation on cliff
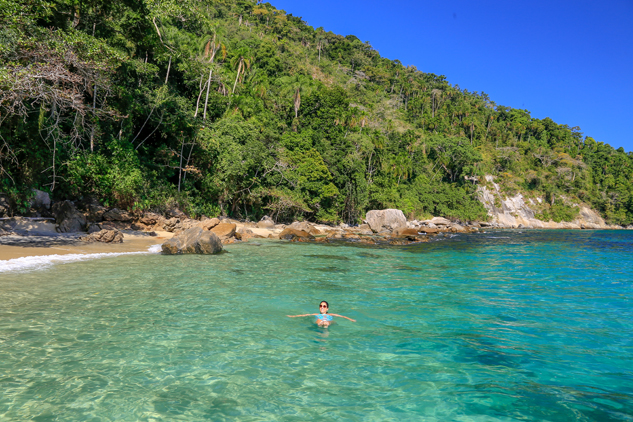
column 238, row 108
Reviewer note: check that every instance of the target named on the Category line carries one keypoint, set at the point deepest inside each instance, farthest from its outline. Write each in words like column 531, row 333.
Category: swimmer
column 323, row 319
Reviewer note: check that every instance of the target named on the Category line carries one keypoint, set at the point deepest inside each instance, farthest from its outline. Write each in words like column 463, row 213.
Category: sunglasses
column 322, row 306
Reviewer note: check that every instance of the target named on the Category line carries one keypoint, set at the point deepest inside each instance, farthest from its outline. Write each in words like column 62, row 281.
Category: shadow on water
column 619, row 240
column 331, row 270
column 333, row 257
column 368, row 255
column 406, row 268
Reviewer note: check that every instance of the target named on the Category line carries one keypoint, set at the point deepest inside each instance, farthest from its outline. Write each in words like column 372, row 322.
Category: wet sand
column 12, row 247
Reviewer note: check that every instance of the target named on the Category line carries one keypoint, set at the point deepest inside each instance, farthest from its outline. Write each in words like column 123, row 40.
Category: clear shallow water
column 503, row 326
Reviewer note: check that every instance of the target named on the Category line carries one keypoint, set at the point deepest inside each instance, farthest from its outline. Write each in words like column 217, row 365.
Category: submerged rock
column 193, row 241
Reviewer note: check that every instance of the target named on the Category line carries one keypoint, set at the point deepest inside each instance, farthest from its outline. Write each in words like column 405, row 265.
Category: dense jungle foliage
column 237, row 108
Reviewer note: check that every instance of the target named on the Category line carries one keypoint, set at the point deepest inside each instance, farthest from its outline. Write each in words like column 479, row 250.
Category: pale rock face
column 440, row 221
column 514, row 211
column 41, row 200
column 389, row 219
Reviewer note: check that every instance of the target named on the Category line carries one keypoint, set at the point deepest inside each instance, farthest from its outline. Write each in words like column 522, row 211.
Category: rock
column 41, row 200
column 209, row 224
column 266, row 223
column 389, row 219
column 428, row 230
column 456, row 228
column 193, row 241
column 150, row 219
column 306, row 227
column 224, row 230
column 93, row 228
column 244, row 234
column 293, row 234
column 6, row 206
column 406, row 232
column 116, row 214
column 440, row 221
column 175, row 213
column 94, row 212
column 68, row 218
column 171, row 224
column 105, row 236
column 590, row 218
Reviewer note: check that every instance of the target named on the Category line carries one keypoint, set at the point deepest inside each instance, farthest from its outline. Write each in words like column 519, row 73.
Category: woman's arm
column 343, row 316
column 294, row 316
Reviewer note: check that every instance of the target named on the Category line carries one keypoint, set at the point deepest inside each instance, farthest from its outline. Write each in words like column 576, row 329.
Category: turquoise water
column 503, row 326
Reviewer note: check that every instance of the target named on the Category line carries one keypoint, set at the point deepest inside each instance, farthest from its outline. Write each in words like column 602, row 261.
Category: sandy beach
column 12, row 247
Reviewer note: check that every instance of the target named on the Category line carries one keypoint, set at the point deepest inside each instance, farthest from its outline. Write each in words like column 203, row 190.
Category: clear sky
column 568, row 60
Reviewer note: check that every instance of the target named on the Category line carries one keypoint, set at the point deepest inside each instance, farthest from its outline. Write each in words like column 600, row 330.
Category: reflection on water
column 533, row 326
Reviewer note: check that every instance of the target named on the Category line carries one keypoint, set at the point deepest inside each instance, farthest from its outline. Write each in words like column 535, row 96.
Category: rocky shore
column 69, row 227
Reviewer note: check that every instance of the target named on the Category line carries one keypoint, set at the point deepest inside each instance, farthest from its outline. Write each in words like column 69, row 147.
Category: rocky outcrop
column 105, row 236
column 266, row 223
column 193, row 241
column 306, row 227
column 294, row 234
column 224, row 230
column 41, row 200
column 116, row 214
column 389, row 219
column 68, row 218
column 517, row 211
column 209, row 223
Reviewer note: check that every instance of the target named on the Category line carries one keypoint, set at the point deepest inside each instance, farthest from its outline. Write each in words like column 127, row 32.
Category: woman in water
column 323, row 318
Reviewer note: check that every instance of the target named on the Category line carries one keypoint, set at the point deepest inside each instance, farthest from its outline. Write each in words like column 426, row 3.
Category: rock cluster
column 105, row 236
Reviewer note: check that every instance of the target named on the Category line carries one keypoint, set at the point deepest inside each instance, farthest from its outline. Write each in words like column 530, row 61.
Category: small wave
column 29, row 263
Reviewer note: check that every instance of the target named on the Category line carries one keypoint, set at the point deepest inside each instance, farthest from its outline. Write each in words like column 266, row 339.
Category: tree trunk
column 239, row 69
column 92, row 132
column 168, row 68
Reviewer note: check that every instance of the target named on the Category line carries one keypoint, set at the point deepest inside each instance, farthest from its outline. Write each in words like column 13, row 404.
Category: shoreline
column 20, row 246
column 26, row 246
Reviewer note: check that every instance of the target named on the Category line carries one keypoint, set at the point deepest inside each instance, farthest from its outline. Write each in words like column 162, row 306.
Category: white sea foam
column 30, row 263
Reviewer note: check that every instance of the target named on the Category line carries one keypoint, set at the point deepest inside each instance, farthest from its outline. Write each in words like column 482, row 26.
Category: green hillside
column 240, row 109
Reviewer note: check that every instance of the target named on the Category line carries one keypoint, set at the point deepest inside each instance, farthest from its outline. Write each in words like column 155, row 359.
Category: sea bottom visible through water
column 498, row 326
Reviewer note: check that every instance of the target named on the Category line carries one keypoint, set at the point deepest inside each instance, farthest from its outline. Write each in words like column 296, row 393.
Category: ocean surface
column 497, row 326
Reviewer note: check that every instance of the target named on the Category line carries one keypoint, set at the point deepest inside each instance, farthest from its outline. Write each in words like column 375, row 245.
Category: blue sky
column 568, row 60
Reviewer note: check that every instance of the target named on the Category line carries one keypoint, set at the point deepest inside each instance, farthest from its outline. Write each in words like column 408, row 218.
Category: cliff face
column 518, row 211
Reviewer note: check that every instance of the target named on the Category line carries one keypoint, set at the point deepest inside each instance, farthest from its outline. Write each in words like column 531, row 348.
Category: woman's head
column 323, row 307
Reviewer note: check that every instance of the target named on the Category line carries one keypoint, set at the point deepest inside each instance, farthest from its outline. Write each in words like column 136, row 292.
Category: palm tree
column 241, row 62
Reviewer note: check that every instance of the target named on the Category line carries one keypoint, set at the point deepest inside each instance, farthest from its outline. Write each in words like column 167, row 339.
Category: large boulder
column 209, row 223
column 294, row 234
column 105, row 236
column 266, row 223
column 389, row 219
column 224, row 230
column 244, row 234
column 41, row 200
column 68, row 218
column 193, row 241
column 116, row 214
column 305, row 226
column 440, row 221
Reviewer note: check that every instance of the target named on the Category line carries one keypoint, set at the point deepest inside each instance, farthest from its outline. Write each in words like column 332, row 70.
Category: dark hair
column 327, row 304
